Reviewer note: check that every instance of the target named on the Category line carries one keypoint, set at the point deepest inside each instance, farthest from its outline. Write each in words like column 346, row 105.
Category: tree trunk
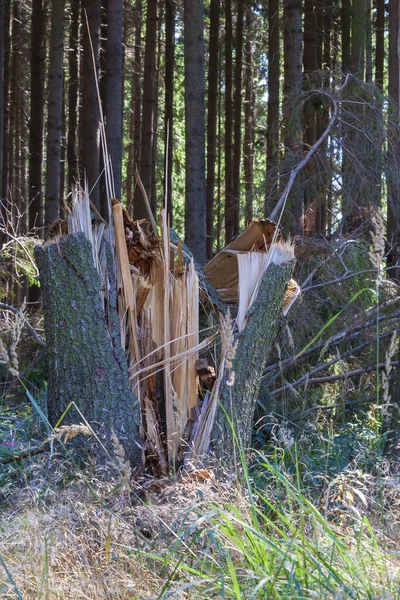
column 293, row 129
column 5, row 32
column 345, row 16
column 212, row 102
column 195, row 206
column 113, row 90
column 271, row 180
column 358, row 37
column 135, row 113
column 248, row 146
column 84, row 366
column 90, row 122
column 239, row 391
column 393, row 216
column 38, row 54
column 73, row 93
column 237, row 141
column 380, row 41
column 149, row 100
column 55, row 88
column 229, row 203
column 169, row 100
column 2, row 11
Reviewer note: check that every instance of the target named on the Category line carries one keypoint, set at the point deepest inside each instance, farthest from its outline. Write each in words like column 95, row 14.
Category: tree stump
column 86, row 363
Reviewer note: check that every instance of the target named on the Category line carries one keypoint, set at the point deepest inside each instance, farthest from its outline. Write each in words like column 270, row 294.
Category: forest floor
column 272, row 532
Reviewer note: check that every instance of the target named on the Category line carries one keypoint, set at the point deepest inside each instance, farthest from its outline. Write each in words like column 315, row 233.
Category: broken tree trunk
column 87, row 364
column 246, row 358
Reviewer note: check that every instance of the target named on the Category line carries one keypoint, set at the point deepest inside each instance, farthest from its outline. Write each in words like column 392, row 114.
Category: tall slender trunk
column 237, row 107
column 55, row 87
column 271, row 183
column 90, row 120
column 248, row 147
column 212, row 101
column 292, row 85
column 38, row 54
column 149, row 100
column 113, row 90
column 135, row 111
column 195, row 186
column 380, row 41
column 229, row 205
column 393, row 216
column 155, row 117
column 345, row 17
column 6, row 104
column 169, row 100
column 2, row 11
column 73, row 94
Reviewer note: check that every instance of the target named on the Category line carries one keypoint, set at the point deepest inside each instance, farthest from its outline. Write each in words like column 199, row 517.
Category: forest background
column 210, row 108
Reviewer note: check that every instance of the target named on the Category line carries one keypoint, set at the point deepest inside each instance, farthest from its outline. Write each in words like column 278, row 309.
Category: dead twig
column 282, row 200
column 330, row 378
column 29, row 327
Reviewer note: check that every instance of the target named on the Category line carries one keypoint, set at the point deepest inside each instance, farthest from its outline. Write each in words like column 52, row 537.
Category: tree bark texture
column 212, row 115
column 248, row 143
column 113, row 90
column 73, row 94
column 90, row 122
column 292, row 35
column 149, row 102
column 195, row 186
column 237, row 138
column 2, row 11
column 229, row 202
column 271, row 184
column 85, row 367
column 238, row 401
column 169, row 100
column 55, row 90
column 393, row 216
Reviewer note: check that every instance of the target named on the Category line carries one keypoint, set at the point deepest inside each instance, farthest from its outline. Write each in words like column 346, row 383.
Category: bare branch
column 330, row 378
column 29, row 327
column 282, row 200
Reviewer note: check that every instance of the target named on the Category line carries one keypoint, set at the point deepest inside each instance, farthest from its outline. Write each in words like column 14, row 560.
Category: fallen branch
column 330, row 378
column 347, row 334
column 334, row 361
column 282, row 200
column 25, row 454
column 342, row 278
column 29, row 327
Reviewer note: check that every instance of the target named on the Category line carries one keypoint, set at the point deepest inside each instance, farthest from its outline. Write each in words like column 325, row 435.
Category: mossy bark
column 86, row 363
column 241, row 385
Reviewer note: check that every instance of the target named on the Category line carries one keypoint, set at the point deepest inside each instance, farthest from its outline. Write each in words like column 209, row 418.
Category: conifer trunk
column 86, row 365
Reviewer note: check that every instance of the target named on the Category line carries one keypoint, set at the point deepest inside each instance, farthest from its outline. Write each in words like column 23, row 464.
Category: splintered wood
column 236, row 272
column 158, row 306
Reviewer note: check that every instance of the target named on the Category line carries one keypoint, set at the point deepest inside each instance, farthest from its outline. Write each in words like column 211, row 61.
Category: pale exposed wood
column 126, row 280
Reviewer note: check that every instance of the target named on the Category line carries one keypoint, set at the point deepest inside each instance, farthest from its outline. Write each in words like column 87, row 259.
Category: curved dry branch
column 29, row 327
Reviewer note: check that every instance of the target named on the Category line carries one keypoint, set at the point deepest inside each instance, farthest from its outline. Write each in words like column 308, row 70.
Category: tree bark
column 73, row 94
column 238, row 401
column 248, row 144
column 293, row 127
column 380, row 41
column 195, row 206
column 229, row 208
column 213, row 71
column 271, row 180
column 393, row 216
column 149, row 100
column 237, row 141
column 90, row 122
column 38, row 54
column 169, row 101
column 85, row 366
column 113, row 90
column 55, row 90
